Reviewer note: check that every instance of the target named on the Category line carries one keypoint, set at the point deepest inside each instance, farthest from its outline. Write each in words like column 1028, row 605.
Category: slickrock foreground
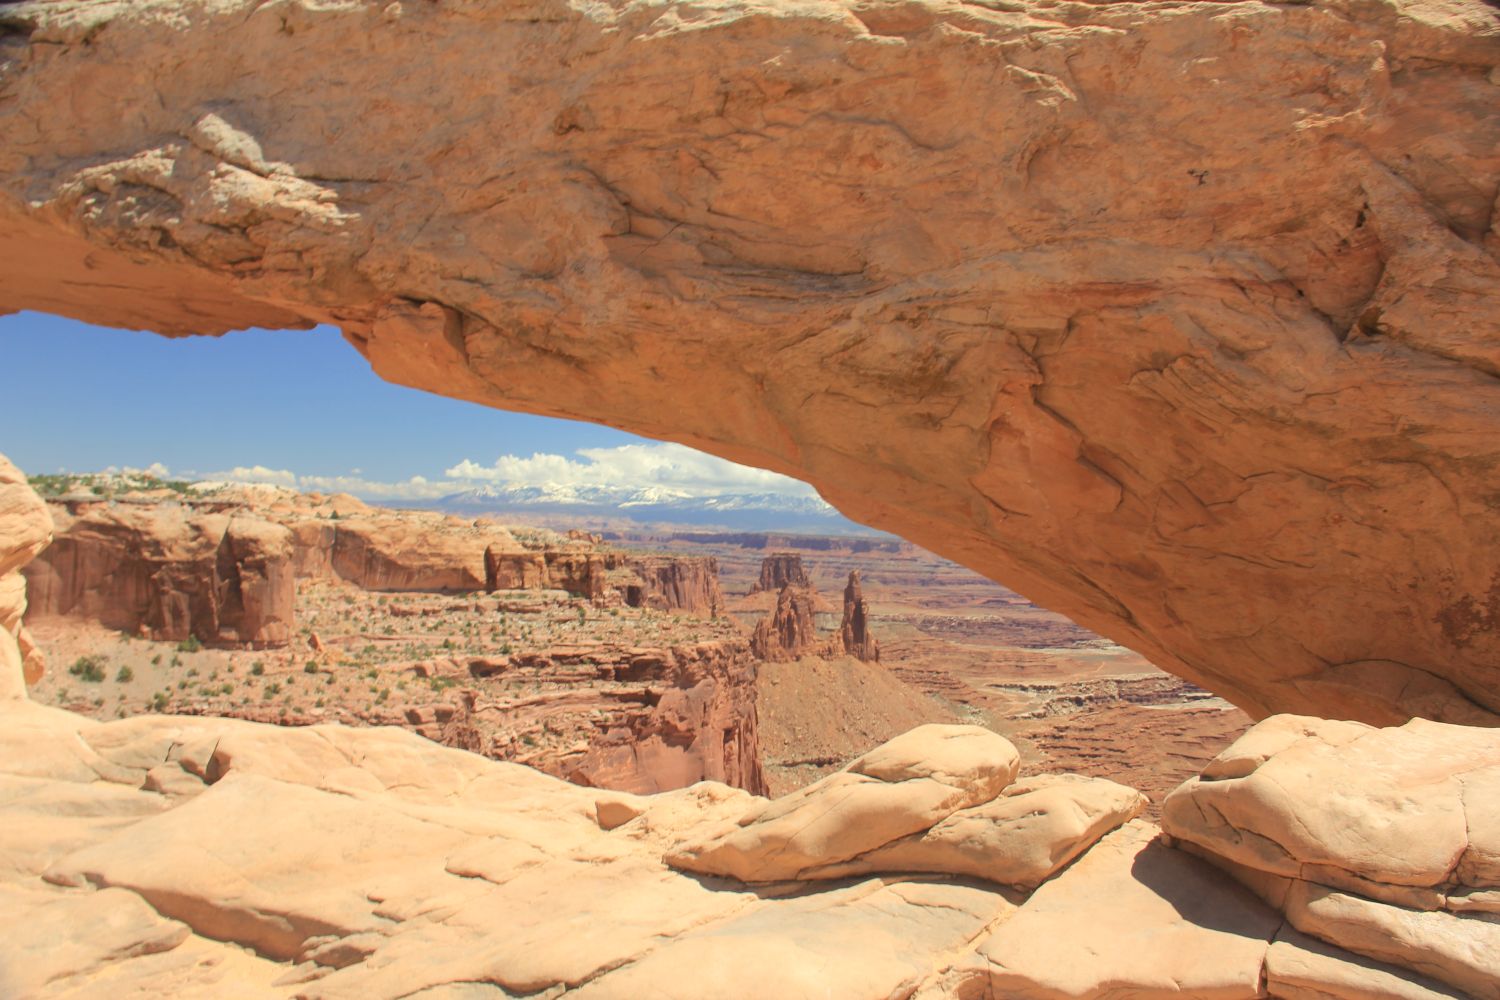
column 204, row 857
column 174, row 856
column 1176, row 318
column 1385, row 841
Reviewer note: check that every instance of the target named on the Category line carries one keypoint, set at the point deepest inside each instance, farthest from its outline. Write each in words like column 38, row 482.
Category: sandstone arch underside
column 1179, row 318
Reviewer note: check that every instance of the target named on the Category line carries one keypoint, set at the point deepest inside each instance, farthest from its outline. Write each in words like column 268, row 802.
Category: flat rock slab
column 266, row 863
column 1299, row 967
column 1133, row 918
column 50, row 938
column 868, row 940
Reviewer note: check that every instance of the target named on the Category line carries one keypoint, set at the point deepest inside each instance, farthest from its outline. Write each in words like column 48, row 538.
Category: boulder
column 900, row 788
column 1020, row 838
column 1384, row 842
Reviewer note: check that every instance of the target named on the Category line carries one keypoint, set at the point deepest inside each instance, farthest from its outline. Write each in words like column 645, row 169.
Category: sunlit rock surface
column 167, row 572
column 208, row 857
column 1178, row 319
column 1383, row 841
column 25, row 530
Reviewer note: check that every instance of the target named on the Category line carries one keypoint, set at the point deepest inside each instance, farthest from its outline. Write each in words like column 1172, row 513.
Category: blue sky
column 297, row 408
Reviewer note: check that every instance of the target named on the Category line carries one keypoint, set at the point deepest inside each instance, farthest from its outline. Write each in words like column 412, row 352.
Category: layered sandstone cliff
column 662, row 583
column 167, row 572
column 1177, row 319
column 779, row 569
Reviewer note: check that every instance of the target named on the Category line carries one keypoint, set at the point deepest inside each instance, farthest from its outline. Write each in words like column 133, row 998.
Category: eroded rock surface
column 854, row 638
column 211, row 857
column 790, row 631
column 779, row 569
column 25, row 530
column 1178, row 320
column 170, row 573
column 1385, row 842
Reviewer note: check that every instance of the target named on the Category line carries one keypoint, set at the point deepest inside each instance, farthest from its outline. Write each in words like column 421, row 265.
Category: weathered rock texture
column 169, row 856
column 854, row 638
column 169, row 573
column 778, row 570
column 634, row 720
column 1385, row 842
column 938, row 799
column 669, row 583
column 789, row 632
column 1177, row 319
column 25, row 530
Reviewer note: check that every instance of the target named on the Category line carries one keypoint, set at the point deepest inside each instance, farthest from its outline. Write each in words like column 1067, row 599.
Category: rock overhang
column 1177, row 320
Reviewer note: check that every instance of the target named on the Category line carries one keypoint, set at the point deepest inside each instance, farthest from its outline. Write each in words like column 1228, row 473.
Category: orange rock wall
column 169, row 574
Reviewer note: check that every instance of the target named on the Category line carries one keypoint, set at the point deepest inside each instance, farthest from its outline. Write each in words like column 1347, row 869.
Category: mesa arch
column 1177, row 318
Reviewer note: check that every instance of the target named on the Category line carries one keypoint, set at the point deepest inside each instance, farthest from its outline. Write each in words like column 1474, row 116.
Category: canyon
column 1175, row 318
column 620, row 664
column 602, row 666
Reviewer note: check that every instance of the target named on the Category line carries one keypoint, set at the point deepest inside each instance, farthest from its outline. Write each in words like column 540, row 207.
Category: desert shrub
column 88, row 668
column 257, row 668
column 190, row 645
column 125, row 675
column 310, row 667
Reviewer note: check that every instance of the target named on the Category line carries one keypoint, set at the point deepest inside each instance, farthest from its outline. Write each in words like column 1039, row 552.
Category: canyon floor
column 543, row 678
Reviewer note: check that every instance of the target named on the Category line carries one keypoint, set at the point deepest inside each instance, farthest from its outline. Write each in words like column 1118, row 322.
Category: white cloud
column 415, row 488
column 632, row 465
column 251, row 474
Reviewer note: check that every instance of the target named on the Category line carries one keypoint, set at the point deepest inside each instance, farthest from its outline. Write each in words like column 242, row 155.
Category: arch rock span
column 1177, row 317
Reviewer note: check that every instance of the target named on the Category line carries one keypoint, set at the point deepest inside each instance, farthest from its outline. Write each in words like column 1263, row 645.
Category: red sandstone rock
column 673, row 583
column 779, row 569
column 789, row 632
column 170, row 573
column 854, row 638
column 696, row 721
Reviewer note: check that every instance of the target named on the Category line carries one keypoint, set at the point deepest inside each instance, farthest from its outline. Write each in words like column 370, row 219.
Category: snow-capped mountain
column 655, row 505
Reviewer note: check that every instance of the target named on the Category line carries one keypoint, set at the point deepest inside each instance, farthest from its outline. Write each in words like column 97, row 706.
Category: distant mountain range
column 655, row 505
